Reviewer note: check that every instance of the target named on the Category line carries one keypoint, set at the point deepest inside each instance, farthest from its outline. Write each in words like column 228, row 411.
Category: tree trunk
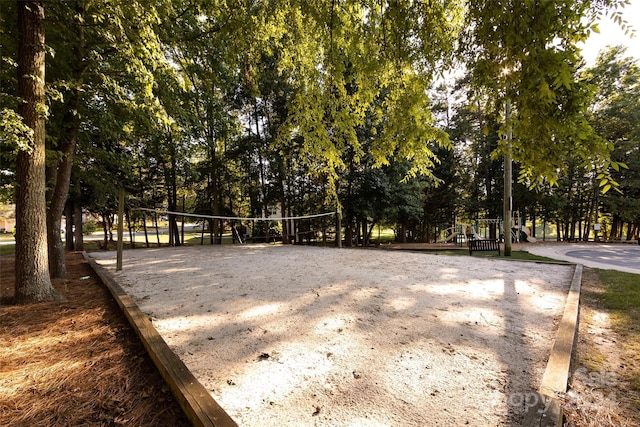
column 348, row 231
column 131, row 236
column 373, row 223
column 60, row 174
column 286, row 232
column 172, row 195
column 533, row 222
column 365, row 235
column 32, row 267
column 615, row 227
column 68, row 226
column 403, row 233
column 62, row 179
column 105, row 229
column 111, row 221
column 214, row 194
column 78, row 237
column 572, row 230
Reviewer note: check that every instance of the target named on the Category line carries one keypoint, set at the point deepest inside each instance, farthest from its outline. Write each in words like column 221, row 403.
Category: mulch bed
column 78, row 362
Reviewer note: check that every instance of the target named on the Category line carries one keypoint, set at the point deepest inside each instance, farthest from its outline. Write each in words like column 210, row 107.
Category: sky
column 611, row 34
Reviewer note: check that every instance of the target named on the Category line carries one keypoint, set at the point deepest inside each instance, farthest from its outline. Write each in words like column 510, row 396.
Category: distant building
column 7, row 218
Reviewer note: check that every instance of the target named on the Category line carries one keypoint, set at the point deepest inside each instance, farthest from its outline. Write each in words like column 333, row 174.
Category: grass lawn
column 515, row 255
column 8, row 246
column 605, row 381
column 621, row 297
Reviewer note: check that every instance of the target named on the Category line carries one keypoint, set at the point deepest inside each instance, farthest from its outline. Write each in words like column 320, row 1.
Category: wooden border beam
column 195, row 400
column 547, row 410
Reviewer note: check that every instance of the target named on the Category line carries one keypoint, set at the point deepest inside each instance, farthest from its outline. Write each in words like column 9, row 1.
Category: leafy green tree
column 616, row 117
column 15, row 135
column 100, row 58
column 64, row 131
column 525, row 52
column 344, row 55
column 245, row 105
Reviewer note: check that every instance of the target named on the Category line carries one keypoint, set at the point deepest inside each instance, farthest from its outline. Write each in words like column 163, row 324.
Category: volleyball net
column 217, row 229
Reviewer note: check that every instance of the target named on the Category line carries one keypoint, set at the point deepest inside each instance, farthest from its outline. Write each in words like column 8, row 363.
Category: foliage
column 14, row 134
column 615, row 115
column 240, row 107
column 346, row 56
column 525, row 51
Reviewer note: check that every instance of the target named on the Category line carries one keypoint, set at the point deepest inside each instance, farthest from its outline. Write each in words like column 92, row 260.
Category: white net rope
column 236, row 218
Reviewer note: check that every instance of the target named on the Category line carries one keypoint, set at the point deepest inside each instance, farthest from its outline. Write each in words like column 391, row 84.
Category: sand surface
column 304, row 336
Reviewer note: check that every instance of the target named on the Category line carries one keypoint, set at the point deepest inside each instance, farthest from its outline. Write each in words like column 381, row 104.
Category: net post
column 155, row 219
column 120, row 228
column 144, row 224
column 338, row 230
column 182, row 224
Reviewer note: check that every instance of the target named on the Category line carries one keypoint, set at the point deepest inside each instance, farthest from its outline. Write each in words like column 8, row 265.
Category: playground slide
column 449, row 237
column 527, row 231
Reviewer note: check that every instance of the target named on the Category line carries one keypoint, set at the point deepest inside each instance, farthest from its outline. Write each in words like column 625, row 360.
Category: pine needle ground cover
column 78, row 362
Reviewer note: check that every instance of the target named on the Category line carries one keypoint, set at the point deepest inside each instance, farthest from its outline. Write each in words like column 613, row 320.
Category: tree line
column 347, row 105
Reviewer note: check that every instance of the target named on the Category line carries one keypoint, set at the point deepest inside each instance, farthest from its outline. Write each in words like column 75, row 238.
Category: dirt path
column 312, row 336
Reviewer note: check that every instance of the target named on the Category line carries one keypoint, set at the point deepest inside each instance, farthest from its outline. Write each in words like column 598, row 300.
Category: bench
column 483, row 245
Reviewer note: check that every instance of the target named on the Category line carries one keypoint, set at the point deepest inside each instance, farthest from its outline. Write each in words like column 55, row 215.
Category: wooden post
column 173, row 223
column 144, row 224
column 120, row 228
column 132, row 237
column 338, row 230
column 183, row 211
column 155, row 219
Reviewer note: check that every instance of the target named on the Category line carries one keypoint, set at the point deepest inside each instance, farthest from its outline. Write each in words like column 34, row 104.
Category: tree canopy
column 237, row 106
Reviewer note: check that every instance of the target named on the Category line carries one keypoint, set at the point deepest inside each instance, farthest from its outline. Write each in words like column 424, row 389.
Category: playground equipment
column 527, row 231
column 459, row 234
column 449, row 235
column 484, row 228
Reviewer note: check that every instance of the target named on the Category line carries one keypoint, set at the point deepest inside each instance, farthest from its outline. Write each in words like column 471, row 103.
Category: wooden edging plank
column 195, row 400
column 548, row 408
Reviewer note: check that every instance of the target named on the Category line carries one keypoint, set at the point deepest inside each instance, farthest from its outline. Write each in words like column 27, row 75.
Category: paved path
column 621, row 257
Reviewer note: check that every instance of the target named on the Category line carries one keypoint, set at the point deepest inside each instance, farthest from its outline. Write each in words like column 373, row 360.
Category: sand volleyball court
column 307, row 336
